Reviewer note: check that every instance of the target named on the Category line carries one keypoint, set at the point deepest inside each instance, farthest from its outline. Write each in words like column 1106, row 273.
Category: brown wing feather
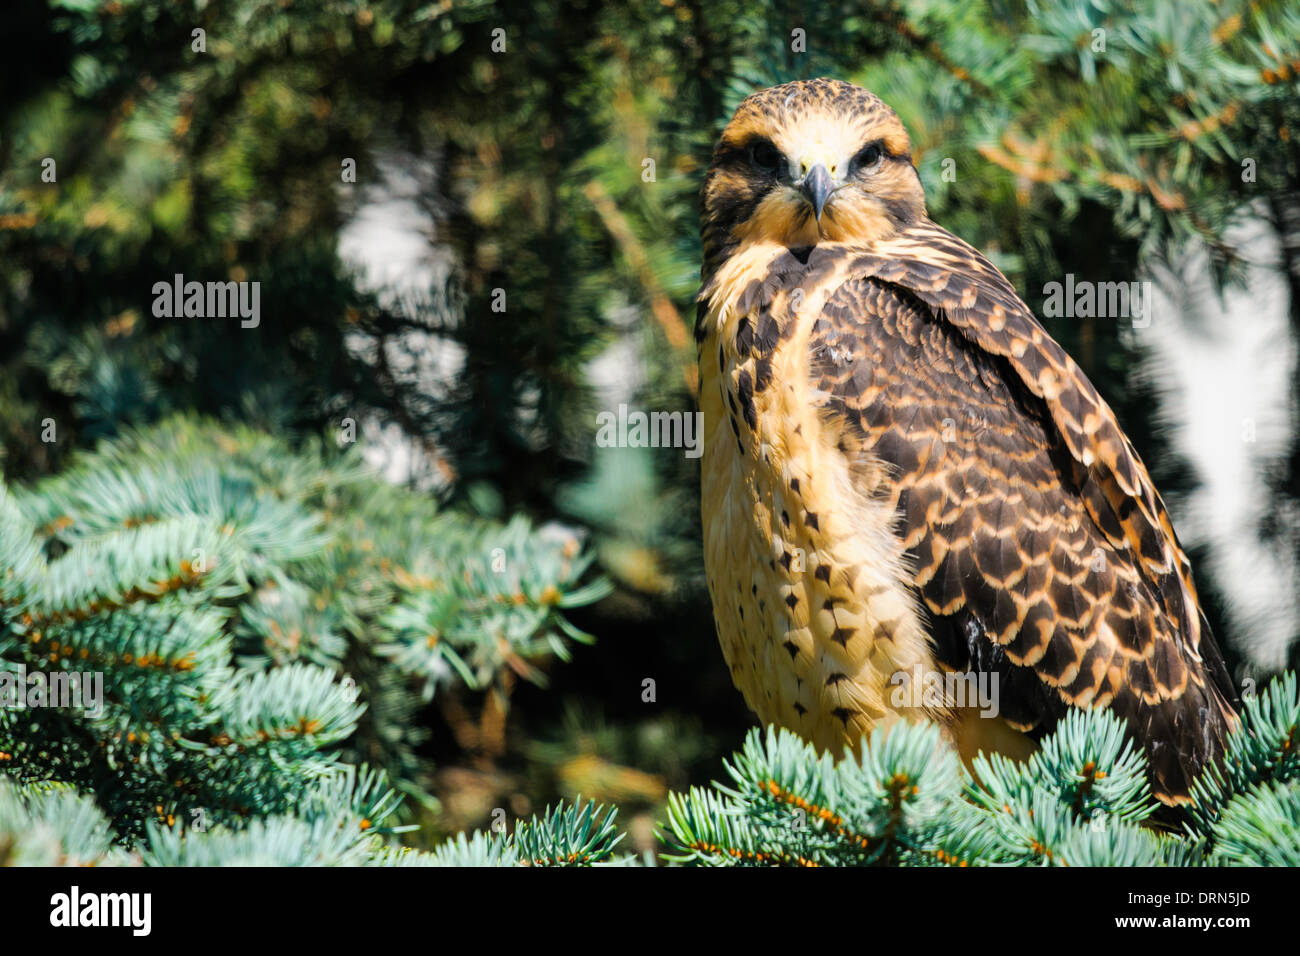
column 1039, row 543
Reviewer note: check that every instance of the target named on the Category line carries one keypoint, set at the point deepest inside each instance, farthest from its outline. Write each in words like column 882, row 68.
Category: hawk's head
column 809, row 161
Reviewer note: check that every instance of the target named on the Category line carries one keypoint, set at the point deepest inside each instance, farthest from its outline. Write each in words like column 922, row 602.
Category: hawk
column 903, row 475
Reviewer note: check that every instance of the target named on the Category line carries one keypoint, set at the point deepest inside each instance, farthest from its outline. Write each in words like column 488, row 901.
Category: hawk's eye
column 868, row 158
column 765, row 156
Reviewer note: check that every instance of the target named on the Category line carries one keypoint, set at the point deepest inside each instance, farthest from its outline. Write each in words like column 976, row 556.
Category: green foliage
column 335, row 823
column 1260, row 828
column 905, row 799
column 261, row 619
column 53, row 826
column 574, row 835
column 1081, row 800
column 1267, row 755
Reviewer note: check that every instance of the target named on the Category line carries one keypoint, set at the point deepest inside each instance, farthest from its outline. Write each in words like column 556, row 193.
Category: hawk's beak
column 817, row 187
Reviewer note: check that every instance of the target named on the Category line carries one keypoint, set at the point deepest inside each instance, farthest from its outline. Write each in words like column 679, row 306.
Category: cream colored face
column 811, row 162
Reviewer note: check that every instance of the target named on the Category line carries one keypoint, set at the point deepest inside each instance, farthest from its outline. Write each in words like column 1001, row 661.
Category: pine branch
column 256, row 616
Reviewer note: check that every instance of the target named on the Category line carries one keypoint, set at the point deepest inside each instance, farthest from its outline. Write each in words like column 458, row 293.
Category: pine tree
column 264, row 623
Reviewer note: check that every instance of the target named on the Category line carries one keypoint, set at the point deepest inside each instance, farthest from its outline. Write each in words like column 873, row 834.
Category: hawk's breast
column 810, row 592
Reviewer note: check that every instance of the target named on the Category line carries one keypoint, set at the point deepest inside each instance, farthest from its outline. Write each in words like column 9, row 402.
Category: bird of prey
column 904, row 475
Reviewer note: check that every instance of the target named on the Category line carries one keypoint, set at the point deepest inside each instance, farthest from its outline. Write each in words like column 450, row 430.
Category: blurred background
column 475, row 229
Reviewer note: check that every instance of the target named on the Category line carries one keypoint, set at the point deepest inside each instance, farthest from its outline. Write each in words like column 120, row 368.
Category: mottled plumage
column 903, row 471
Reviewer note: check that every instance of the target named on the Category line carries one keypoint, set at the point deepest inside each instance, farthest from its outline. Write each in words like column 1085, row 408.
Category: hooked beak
column 817, row 187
